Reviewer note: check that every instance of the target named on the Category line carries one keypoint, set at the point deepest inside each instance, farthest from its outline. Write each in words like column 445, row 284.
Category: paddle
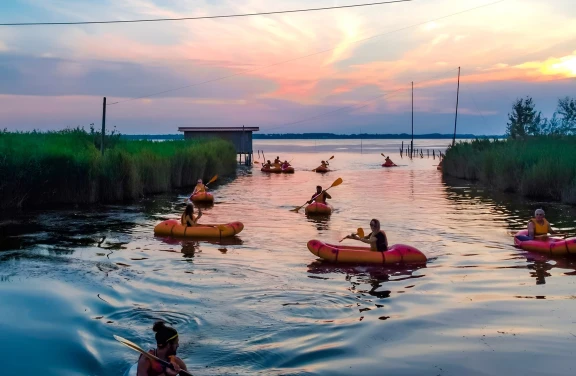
column 336, row 183
column 137, row 348
column 359, row 232
column 329, row 159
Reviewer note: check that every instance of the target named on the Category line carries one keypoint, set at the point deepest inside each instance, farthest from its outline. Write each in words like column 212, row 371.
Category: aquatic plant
column 66, row 167
column 538, row 167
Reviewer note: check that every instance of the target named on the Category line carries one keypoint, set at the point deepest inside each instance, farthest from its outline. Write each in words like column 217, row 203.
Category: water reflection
column 258, row 303
column 321, row 222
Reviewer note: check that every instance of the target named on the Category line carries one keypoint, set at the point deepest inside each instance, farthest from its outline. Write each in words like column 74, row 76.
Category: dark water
column 261, row 304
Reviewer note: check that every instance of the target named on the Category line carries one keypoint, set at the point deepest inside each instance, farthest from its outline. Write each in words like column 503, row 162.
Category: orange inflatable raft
column 321, row 169
column 551, row 245
column 278, row 170
column 398, row 253
column 318, row 208
column 389, row 165
column 202, row 197
column 173, row 227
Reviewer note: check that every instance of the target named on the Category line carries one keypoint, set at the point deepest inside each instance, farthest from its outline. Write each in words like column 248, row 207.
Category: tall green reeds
column 66, row 167
column 538, row 167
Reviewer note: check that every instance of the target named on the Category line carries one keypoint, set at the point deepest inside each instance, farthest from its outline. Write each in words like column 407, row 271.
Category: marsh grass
column 66, row 167
column 538, row 167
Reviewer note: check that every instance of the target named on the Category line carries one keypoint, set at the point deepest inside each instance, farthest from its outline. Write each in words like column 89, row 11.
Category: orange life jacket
column 540, row 229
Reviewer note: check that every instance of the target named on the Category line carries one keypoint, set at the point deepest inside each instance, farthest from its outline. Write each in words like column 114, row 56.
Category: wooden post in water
column 456, row 118
column 103, row 126
column 412, row 142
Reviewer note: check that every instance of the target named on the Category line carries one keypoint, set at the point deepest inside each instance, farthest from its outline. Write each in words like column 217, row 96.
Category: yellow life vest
column 200, row 188
column 540, row 229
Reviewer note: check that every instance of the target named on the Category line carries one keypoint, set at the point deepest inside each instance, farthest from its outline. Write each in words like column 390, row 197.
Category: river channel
column 262, row 304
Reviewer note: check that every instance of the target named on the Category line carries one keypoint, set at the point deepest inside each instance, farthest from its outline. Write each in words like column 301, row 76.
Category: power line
column 354, row 107
column 202, row 17
column 302, row 57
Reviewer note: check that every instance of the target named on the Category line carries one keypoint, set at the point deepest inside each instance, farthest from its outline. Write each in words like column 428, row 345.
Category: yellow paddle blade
column 132, row 345
column 332, row 157
column 336, row 182
column 213, row 179
column 360, row 232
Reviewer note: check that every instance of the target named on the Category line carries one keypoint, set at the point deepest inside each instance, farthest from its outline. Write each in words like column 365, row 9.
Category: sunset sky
column 53, row 77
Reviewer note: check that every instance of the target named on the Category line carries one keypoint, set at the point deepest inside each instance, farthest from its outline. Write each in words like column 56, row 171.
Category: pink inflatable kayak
column 398, row 253
column 555, row 246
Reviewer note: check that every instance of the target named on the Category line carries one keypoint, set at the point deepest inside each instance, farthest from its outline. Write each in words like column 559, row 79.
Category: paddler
column 200, row 187
column 277, row 160
column 167, row 345
column 377, row 238
column 324, row 164
column 285, row 165
column 320, row 196
column 388, row 162
column 188, row 219
column 267, row 164
column 538, row 227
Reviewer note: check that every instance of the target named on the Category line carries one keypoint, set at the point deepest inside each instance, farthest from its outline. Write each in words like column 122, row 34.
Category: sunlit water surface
column 261, row 304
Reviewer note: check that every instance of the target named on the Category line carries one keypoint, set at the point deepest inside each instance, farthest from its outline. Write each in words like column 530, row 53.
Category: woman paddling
column 167, row 345
column 377, row 238
column 538, row 227
column 188, row 219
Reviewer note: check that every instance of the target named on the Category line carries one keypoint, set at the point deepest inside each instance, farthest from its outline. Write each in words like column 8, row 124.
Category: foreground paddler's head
column 189, row 209
column 166, row 337
column 375, row 225
column 539, row 213
column 318, row 188
column 199, row 181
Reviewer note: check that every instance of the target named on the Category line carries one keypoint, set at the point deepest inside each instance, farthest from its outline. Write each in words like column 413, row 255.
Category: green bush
column 539, row 167
column 66, row 167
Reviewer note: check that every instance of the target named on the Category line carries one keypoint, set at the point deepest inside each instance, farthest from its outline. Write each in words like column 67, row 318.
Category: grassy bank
column 67, row 168
column 537, row 167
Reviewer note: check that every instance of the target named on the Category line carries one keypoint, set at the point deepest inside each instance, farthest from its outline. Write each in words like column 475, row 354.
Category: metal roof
column 218, row 129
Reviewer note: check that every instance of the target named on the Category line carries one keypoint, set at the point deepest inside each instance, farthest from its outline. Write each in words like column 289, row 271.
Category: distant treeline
column 67, row 167
column 318, row 136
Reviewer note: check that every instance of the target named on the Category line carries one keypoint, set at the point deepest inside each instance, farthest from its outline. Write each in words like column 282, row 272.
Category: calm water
column 261, row 304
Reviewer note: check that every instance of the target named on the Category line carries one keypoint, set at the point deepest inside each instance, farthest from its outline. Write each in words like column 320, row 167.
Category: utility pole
column 412, row 142
column 103, row 126
column 456, row 118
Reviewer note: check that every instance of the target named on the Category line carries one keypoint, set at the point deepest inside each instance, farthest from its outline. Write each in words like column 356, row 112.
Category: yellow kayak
column 173, row 227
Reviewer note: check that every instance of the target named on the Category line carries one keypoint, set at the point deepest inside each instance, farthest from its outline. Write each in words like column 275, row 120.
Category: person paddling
column 200, row 187
column 285, row 165
column 320, row 196
column 167, row 345
column 267, row 164
column 538, row 227
column 388, row 162
column 188, row 219
column 377, row 238
column 324, row 164
column 277, row 160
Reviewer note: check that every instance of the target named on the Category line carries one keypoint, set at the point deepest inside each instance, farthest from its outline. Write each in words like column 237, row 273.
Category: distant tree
column 524, row 120
column 567, row 110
